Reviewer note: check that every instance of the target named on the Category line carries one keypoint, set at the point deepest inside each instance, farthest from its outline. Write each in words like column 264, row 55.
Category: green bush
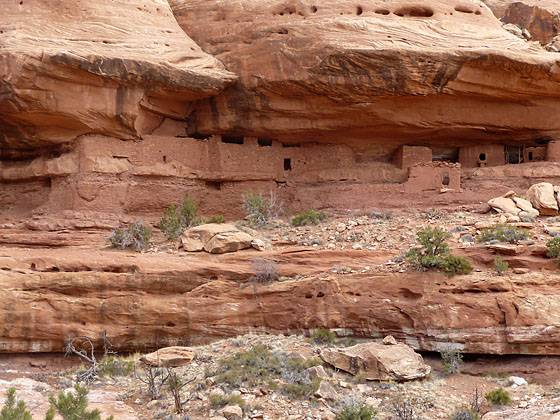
column 323, row 336
column 434, row 253
column 308, row 217
column 135, row 236
column 498, row 397
column 465, row 414
column 112, row 366
column 259, row 366
column 503, row 233
column 177, row 218
column 500, row 266
column 72, row 406
column 454, row 265
column 259, row 209
column 216, row 219
column 553, row 247
column 14, row 409
column 451, row 361
column 219, row 401
column 356, row 410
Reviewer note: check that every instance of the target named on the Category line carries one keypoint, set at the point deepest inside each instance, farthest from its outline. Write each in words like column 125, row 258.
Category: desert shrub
column 259, row 366
column 381, row 215
column 72, row 405
column 451, row 361
column 433, row 253
column 498, row 397
column 454, row 265
column 266, row 271
column 14, row 409
column 503, row 233
column 216, row 219
column 500, row 266
column 323, row 336
column 553, row 247
column 464, row 414
column 113, row 366
column 405, row 410
column 177, row 218
column 356, row 410
column 260, row 209
column 308, row 217
column 219, row 401
column 135, row 236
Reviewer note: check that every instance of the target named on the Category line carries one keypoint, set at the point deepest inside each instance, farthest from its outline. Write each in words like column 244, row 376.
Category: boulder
column 169, row 357
column 216, row 238
column 232, row 412
column 504, row 205
column 390, row 341
column 378, row 362
column 326, row 391
column 525, row 206
column 542, row 198
column 228, row 242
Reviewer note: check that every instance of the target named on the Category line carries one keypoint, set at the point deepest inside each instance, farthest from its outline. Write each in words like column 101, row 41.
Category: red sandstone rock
column 380, row 71
column 70, row 68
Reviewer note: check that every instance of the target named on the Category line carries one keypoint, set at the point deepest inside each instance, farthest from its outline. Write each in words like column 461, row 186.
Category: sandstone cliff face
column 114, row 68
column 540, row 17
column 145, row 302
column 377, row 71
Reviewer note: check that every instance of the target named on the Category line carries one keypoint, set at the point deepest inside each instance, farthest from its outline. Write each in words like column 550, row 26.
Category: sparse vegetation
column 308, row 217
column 113, row 366
column 500, row 266
column 177, row 218
column 73, row 405
column 175, row 384
column 323, row 336
column 219, row 401
column 266, row 271
column 260, row 209
column 14, row 409
column 356, row 410
column 498, row 397
column 464, row 414
column 553, row 248
column 451, row 361
column 259, row 366
column 503, row 233
column 216, row 219
column 135, row 236
column 434, row 253
column 405, row 410
column 380, row 215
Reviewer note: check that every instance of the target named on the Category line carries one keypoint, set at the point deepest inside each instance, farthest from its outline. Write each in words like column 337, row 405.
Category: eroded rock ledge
column 151, row 301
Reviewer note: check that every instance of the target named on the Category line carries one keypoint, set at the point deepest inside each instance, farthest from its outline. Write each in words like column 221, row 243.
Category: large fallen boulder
column 216, row 238
column 504, row 205
column 542, row 198
column 169, row 357
column 378, row 362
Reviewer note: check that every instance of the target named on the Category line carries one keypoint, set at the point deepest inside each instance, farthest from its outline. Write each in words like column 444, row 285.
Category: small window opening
column 530, row 156
column 233, row 139
column 287, row 164
column 264, row 142
column 200, row 136
column 314, row 9
column 214, row 185
column 359, row 10
column 445, row 179
column 164, row 159
column 482, row 157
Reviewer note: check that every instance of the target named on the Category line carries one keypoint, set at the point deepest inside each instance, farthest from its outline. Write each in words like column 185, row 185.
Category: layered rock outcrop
column 146, row 302
column 83, row 67
column 377, row 71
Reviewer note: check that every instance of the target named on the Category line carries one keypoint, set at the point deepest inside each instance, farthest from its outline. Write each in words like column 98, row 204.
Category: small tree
column 498, row 397
column 83, row 348
column 177, row 218
column 73, row 406
column 14, row 409
column 452, row 361
column 136, row 236
column 500, row 266
column 260, row 209
column 175, row 384
column 553, row 247
column 154, row 378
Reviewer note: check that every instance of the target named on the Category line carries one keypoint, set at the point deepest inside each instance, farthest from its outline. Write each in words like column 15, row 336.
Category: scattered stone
column 317, row 372
column 232, row 412
column 504, row 205
column 378, row 362
column 520, row 270
column 517, row 381
column 258, row 244
column 390, row 340
column 326, row 391
column 169, row 357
